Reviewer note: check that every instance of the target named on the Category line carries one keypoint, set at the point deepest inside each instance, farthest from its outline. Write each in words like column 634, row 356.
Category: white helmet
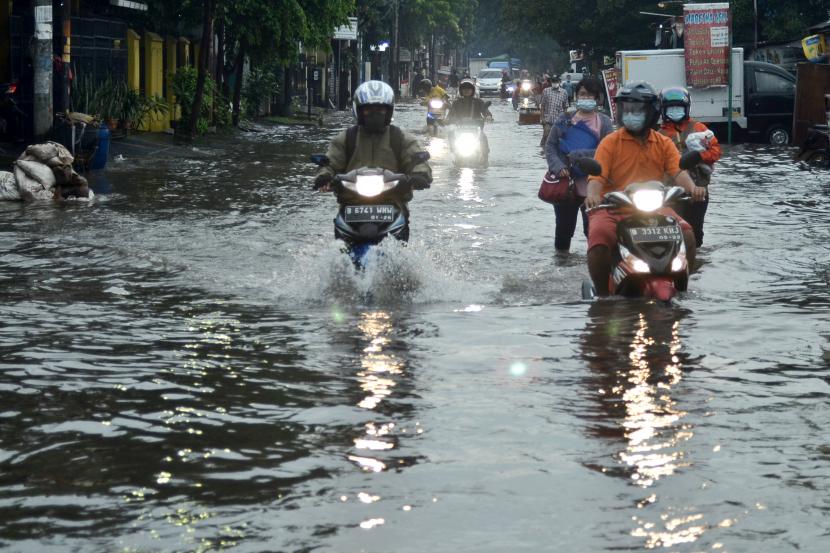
column 373, row 93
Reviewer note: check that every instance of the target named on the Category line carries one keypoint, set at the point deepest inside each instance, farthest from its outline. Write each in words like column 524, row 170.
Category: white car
column 489, row 82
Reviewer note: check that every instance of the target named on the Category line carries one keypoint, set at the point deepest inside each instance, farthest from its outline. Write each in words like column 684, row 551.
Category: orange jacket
column 675, row 131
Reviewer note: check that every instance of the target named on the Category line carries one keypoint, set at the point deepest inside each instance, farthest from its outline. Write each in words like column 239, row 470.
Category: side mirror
column 589, row 166
column 319, row 159
column 689, row 160
column 422, row 156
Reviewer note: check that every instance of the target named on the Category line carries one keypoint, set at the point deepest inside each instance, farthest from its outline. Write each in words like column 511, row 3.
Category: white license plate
column 369, row 213
column 667, row 233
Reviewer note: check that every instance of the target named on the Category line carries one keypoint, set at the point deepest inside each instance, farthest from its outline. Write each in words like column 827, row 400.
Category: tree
column 204, row 56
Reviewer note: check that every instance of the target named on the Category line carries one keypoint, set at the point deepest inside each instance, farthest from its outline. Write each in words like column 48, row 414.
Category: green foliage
column 184, row 87
column 102, row 99
column 260, row 84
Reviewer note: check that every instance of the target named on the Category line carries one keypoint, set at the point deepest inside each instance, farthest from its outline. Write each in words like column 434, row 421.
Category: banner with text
column 706, row 38
column 612, row 84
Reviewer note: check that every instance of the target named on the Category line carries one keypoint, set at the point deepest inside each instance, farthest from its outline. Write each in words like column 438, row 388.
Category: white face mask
column 555, row 86
column 676, row 113
column 634, row 122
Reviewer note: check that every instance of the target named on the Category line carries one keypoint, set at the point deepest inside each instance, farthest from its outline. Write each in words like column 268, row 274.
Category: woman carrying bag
column 573, row 136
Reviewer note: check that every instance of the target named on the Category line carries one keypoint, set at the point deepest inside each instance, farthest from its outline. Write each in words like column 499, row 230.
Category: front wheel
column 778, row 135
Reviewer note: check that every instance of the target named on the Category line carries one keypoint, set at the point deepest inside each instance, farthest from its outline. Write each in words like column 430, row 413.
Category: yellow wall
column 133, row 60
column 154, row 79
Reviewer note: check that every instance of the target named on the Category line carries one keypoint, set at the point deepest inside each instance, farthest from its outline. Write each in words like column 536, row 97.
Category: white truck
column 763, row 95
column 476, row 65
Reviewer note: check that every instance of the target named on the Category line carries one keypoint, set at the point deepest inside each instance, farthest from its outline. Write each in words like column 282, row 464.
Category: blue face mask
column 585, row 104
column 634, row 122
column 676, row 113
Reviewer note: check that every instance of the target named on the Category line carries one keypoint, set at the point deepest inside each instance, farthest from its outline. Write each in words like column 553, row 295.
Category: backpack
column 395, row 139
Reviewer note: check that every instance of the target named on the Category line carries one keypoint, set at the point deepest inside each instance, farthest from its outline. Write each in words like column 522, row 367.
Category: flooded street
column 191, row 364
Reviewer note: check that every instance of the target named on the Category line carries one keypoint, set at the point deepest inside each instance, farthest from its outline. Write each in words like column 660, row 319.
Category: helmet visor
column 633, row 107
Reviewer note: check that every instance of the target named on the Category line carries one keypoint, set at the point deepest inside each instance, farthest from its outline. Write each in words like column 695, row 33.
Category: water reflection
column 637, row 362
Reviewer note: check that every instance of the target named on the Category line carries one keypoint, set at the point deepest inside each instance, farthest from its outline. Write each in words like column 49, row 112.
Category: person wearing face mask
column 678, row 126
column 574, row 136
column 375, row 142
column 469, row 109
column 554, row 103
column 634, row 153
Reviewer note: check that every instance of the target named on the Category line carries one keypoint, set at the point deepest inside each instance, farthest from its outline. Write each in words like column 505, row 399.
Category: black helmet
column 675, row 96
column 468, row 83
column 425, row 84
column 643, row 92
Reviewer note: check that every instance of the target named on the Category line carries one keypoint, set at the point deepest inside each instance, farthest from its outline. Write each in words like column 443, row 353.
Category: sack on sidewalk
column 8, row 187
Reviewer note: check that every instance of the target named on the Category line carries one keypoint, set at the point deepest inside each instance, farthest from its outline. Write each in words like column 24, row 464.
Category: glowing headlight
column 647, row 200
column 525, row 86
column 637, row 264
column 678, row 263
column 466, row 144
column 436, row 104
column 369, row 185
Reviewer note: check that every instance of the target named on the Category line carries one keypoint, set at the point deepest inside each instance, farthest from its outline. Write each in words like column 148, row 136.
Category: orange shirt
column 675, row 130
column 626, row 159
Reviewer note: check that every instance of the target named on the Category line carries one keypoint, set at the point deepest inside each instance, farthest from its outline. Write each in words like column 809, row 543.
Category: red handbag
column 554, row 190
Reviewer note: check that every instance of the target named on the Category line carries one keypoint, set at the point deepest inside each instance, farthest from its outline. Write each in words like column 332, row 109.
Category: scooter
column 816, row 148
column 11, row 115
column 436, row 114
column 465, row 144
column 368, row 209
column 650, row 257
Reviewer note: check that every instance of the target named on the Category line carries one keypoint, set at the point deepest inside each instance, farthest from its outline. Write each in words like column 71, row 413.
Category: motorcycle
column 11, row 116
column 368, row 211
column 816, row 148
column 507, row 90
column 436, row 114
column 650, row 257
column 466, row 144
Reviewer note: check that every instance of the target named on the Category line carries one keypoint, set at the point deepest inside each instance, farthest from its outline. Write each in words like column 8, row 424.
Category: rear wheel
column 778, row 135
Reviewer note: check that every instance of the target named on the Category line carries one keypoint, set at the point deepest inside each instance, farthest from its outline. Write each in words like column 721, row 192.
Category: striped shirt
column 554, row 104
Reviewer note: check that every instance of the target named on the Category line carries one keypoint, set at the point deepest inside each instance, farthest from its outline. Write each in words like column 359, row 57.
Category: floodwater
column 191, row 364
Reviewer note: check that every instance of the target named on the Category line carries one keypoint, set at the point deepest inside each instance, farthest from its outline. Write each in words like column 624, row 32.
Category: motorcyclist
column 635, row 152
column 375, row 142
column 432, row 92
column 469, row 109
column 505, row 80
column 679, row 126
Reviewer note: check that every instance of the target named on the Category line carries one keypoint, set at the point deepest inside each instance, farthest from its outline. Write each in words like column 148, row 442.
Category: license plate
column 668, row 233
column 369, row 213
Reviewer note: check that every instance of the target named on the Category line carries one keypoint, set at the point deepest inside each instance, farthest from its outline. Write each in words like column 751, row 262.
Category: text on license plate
column 369, row 213
column 655, row 234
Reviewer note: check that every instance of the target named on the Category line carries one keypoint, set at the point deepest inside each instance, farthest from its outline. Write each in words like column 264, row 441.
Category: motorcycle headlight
column 436, row 104
column 525, row 86
column 636, row 264
column 678, row 263
column 466, row 144
column 369, row 185
column 647, row 200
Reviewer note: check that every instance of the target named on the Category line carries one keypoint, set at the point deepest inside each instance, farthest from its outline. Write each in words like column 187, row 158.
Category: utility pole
column 42, row 58
column 395, row 56
column 66, row 58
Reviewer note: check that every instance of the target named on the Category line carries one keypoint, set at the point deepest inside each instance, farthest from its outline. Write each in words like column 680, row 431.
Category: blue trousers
column 566, row 215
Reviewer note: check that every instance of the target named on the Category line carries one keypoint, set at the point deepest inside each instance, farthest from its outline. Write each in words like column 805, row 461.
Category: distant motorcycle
column 436, row 114
column 368, row 208
column 466, row 144
column 650, row 258
column 11, row 116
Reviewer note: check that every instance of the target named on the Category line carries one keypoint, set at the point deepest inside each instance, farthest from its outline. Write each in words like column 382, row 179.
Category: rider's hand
column 698, row 193
column 323, row 183
column 592, row 200
column 563, row 173
column 418, row 182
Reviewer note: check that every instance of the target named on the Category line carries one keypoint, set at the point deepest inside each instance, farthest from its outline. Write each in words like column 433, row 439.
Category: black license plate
column 668, row 233
column 369, row 213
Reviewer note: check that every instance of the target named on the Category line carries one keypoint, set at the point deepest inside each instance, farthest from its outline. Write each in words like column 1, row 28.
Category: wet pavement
column 191, row 364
